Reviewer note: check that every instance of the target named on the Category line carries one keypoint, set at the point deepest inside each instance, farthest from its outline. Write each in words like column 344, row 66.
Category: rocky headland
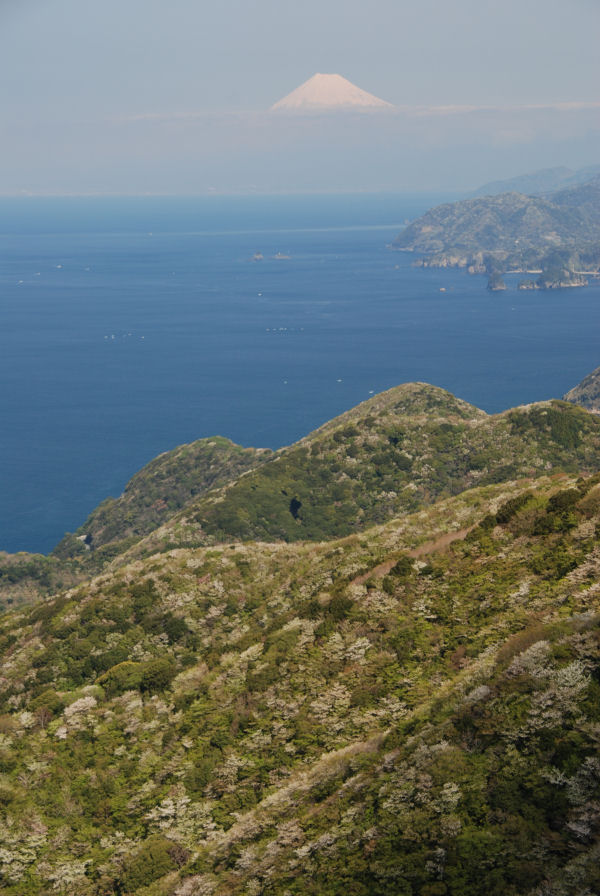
column 557, row 235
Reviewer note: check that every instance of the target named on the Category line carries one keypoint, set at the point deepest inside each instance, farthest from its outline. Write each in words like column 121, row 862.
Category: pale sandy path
column 422, row 550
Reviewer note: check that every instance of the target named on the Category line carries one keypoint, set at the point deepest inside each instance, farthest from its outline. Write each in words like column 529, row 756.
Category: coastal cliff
column 587, row 392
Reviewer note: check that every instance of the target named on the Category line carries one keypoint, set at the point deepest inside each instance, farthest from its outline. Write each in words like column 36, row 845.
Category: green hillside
column 167, row 484
column 397, row 452
column 411, row 710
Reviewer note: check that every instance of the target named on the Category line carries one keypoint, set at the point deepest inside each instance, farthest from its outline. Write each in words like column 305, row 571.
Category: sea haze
column 130, row 326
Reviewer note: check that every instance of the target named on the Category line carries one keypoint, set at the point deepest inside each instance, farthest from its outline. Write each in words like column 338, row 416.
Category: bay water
column 132, row 325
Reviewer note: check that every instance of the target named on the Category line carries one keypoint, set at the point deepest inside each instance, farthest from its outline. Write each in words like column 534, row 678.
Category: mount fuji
column 328, row 93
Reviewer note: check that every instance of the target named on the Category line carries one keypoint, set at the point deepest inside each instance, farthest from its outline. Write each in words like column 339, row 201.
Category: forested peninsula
column 553, row 239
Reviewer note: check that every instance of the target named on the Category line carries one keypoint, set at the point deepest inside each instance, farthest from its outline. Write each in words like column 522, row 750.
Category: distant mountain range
column 556, row 235
column 547, row 180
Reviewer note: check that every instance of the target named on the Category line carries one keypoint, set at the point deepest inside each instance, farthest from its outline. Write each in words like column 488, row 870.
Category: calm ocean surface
column 131, row 326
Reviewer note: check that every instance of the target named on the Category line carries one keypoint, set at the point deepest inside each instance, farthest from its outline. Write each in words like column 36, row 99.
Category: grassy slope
column 318, row 718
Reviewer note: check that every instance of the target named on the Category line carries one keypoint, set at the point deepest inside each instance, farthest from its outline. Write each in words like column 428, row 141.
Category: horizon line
column 30, row 194
column 389, row 110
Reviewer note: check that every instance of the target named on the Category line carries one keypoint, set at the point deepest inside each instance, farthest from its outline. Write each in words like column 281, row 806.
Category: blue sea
column 130, row 326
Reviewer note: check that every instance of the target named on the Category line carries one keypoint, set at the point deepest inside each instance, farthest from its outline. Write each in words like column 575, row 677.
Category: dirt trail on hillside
column 438, row 544
column 422, row 550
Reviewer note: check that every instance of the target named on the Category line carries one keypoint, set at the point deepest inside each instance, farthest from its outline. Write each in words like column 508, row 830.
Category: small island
column 496, row 283
column 554, row 279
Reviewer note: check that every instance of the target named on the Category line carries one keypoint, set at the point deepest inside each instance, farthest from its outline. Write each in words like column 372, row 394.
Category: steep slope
column 587, row 393
column 389, row 713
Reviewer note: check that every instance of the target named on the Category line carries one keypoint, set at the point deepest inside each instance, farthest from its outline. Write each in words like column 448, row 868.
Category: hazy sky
column 150, row 96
